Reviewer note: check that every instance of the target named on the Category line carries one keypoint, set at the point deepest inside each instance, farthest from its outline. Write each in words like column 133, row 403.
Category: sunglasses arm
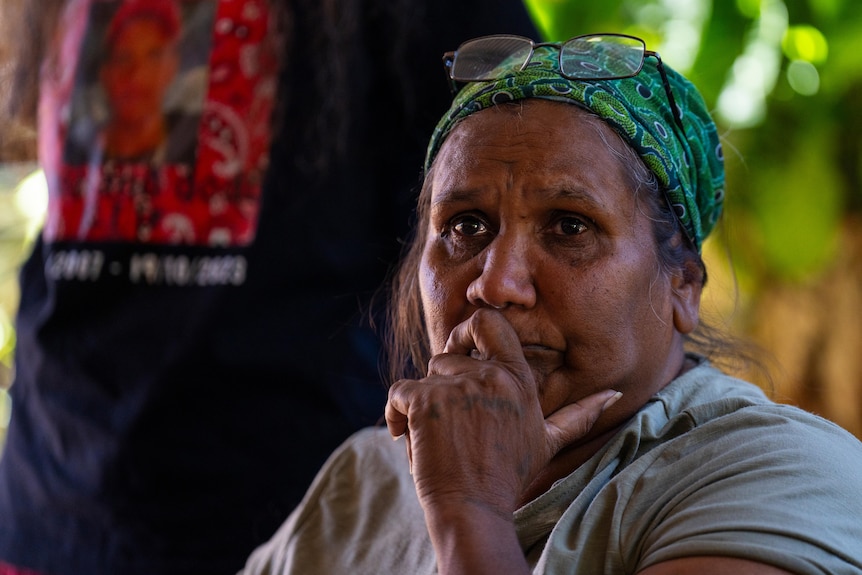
column 448, row 60
column 674, row 110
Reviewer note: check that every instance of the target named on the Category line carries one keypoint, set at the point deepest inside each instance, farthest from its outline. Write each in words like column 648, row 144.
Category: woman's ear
column 687, row 286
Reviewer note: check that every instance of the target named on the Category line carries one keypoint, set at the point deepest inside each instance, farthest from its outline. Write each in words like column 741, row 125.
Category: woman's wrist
column 474, row 537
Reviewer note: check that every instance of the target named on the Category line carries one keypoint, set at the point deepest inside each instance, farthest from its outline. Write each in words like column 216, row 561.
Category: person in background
column 194, row 340
column 556, row 409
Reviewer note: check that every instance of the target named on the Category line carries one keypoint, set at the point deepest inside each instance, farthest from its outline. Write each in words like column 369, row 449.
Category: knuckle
column 436, row 362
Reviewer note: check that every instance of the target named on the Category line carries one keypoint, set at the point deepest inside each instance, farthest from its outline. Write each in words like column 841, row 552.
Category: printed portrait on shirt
column 163, row 131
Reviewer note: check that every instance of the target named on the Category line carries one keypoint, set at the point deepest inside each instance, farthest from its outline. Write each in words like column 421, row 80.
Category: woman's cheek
column 444, row 297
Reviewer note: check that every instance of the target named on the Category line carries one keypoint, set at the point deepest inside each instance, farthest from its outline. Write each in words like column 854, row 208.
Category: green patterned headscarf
column 690, row 168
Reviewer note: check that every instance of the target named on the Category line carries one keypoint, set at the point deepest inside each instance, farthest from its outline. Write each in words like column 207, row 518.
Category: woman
column 560, row 426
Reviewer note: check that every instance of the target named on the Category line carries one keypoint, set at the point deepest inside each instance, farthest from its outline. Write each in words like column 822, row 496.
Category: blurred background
column 784, row 81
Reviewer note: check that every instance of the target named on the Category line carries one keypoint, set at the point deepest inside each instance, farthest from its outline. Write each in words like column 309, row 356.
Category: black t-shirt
column 167, row 425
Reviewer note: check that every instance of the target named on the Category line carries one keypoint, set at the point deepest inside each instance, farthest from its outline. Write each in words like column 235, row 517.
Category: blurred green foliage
column 784, row 80
column 19, row 220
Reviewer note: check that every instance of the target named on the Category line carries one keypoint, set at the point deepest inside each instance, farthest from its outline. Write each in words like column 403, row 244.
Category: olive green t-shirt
column 709, row 466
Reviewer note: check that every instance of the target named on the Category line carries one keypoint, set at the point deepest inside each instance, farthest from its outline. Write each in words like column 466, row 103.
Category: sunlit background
column 784, row 81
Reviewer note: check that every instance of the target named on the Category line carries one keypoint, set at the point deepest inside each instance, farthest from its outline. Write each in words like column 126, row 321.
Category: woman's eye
column 572, row 226
column 469, row 226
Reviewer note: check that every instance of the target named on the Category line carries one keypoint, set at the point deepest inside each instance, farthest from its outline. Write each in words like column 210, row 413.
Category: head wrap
column 165, row 13
column 689, row 166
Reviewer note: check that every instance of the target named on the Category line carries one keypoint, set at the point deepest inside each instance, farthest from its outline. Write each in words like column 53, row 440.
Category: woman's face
column 141, row 64
column 533, row 214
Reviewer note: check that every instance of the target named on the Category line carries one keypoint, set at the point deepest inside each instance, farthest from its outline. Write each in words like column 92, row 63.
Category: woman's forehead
column 547, row 143
column 558, row 124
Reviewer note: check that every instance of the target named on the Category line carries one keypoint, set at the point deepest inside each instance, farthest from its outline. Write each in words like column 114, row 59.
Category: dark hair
column 409, row 347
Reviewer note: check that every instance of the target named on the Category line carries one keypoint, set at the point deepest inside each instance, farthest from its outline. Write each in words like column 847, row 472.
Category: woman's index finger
column 491, row 336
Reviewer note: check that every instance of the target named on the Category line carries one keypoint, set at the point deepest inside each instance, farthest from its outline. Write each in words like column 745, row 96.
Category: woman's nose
column 506, row 276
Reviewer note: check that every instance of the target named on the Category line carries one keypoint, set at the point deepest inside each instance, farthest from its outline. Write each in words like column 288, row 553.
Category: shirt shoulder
column 766, row 482
column 361, row 515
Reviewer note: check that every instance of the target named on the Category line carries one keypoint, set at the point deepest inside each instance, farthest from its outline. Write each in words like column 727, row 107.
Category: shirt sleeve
column 770, row 484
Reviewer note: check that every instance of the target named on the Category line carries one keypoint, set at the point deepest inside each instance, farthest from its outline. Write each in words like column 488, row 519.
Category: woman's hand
column 476, row 434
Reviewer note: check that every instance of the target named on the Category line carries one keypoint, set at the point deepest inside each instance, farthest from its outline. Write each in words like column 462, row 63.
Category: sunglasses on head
column 587, row 57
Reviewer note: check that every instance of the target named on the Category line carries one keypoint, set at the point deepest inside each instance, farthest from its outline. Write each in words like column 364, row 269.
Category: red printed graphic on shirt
column 155, row 123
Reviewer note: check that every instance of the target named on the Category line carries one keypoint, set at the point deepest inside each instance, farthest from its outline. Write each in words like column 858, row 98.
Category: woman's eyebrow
column 458, row 195
column 575, row 193
column 454, row 196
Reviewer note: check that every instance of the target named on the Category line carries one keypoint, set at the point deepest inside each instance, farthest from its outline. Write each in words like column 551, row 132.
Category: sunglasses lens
column 488, row 58
column 602, row 57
